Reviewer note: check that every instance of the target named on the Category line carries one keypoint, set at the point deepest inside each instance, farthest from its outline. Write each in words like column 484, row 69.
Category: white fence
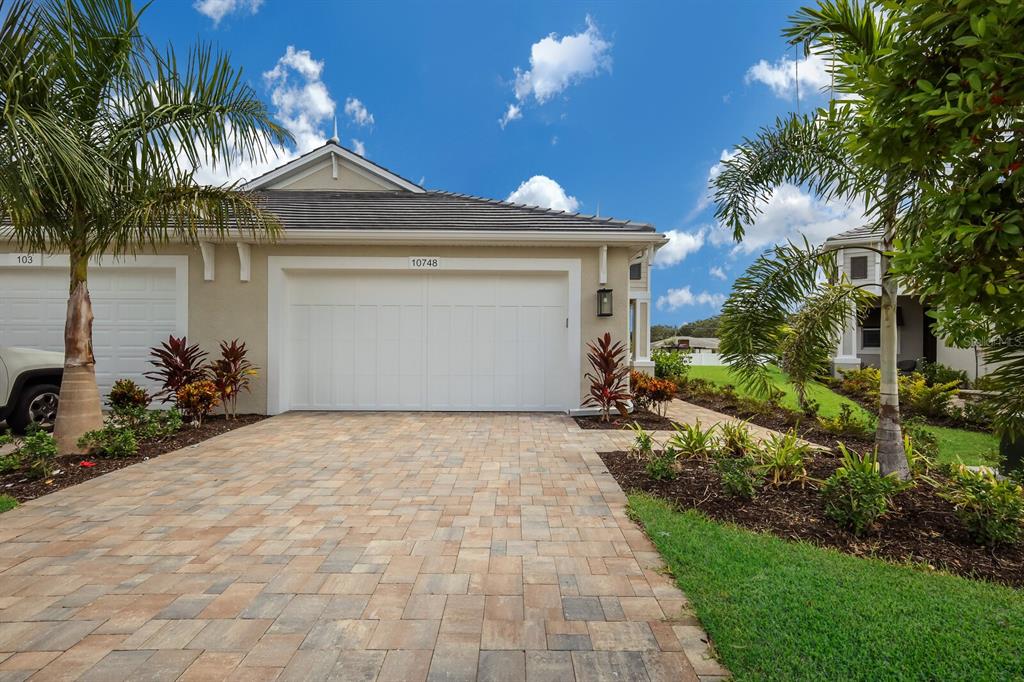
column 706, row 359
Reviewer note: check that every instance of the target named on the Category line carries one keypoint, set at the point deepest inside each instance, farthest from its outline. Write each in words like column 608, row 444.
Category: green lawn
column 971, row 447
column 7, row 503
column 779, row 610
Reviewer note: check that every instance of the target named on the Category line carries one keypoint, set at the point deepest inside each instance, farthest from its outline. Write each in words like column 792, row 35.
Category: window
column 859, row 267
column 871, row 327
column 634, row 271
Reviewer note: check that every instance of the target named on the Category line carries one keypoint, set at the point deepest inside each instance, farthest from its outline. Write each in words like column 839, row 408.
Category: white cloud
column 680, row 245
column 708, row 196
column 302, row 104
column 556, row 63
column 544, row 192
column 359, row 147
column 514, row 113
column 790, row 214
column 781, row 76
column 678, row 298
column 357, row 111
column 718, row 273
column 302, row 100
column 218, row 9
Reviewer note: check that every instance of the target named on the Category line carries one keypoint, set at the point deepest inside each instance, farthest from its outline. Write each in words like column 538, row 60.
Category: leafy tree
column 781, row 309
column 706, row 328
column 662, row 331
column 947, row 109
column 100, row 153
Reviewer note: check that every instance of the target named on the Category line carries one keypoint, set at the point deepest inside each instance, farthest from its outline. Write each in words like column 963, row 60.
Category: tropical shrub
column 197, row 400
column 643, row 443
column 846, row 423
column 671, row 364
column 917, row 397
column 740, row 476
column 177, row 365
column 650, row 392
column 608, row 375
column 691, row 441
column 127, row 393
column 662, row 465
column 783, row 457
column 39, row 451
column 938, row 373
column 231, row 374
column 992, row 509
column 923, row 441
column 735, row 438
column 110, row 441
column 857, row 494
column 861, row 383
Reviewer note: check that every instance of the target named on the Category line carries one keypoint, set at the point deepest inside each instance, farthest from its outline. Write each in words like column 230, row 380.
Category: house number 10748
column 424, row 262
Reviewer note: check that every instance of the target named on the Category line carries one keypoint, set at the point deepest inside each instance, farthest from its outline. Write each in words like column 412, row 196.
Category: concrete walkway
column 348, row 546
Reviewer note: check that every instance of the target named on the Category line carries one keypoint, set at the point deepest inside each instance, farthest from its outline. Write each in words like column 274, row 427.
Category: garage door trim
column 277, row 300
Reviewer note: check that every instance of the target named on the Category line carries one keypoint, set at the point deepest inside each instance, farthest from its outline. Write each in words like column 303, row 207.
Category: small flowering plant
column 197, row 400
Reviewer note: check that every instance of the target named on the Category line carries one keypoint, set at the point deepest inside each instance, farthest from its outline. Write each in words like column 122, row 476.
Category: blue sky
column 621, row 107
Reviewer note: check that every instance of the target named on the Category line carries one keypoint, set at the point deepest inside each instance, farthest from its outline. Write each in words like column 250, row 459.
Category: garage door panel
column 135, row 308
column 437, row 341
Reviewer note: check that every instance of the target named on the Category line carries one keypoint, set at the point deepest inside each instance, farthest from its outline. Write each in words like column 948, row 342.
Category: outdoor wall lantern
column 604, row 302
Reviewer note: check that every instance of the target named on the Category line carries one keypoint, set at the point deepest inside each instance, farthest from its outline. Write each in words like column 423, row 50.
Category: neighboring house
column 860, row 343
column 378, row 295
column 694, row 344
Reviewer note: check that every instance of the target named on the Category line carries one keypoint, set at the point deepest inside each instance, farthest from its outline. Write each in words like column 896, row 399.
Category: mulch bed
column 779, row 420
column 921, row 527
column 648, row 420
column 23, row 487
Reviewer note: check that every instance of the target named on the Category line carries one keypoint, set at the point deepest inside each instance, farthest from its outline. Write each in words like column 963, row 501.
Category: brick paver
column 348, row 546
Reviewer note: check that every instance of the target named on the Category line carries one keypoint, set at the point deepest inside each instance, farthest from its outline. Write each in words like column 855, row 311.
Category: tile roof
column 399, row 210
column 864, row 233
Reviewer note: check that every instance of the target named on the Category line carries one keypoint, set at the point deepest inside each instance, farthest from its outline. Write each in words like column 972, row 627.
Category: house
column 377, row 295
column 859, row 260
column 694, row 344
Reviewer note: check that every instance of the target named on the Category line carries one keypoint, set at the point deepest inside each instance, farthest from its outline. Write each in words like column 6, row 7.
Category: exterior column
column 643, row 362
column 846, row 351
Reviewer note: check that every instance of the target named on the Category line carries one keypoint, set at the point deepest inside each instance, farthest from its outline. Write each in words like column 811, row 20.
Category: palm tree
column 792, row 301
column 144, row 123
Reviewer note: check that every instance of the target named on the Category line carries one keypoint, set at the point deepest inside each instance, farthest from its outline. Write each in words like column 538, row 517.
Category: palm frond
column 755, row 315
column 807, row 150
column 1007, row 405
column 848, row 26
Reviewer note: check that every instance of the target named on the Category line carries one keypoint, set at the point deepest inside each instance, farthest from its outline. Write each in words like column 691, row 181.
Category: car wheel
column 38, row 405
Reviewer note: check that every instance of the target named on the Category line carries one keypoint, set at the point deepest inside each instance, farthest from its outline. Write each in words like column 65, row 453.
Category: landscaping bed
column 647, row 419
column 22, row 486
column 921, row 527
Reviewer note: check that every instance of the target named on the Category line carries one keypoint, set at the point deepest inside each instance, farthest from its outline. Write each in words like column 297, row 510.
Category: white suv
column 29, row 386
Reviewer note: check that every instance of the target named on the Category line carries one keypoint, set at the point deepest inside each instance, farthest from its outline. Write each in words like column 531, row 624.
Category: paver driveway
column 347, row 546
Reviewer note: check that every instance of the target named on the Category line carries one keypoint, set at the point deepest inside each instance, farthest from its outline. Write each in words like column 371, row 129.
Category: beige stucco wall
column 350, row 178
column 227, row 308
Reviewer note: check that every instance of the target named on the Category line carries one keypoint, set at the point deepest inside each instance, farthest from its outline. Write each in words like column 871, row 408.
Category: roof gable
column 331, row 167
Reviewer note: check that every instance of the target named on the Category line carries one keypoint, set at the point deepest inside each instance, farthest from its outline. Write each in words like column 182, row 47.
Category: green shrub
column 662, row 465
column 690, row 440
column 643, row 443
column 992, row 509
column 7, row 503
column 917, row 397
column 861, row 383
column 846, row 423
column 126, row 393
column 974, row 413
column 938, row 373
column 735, row 438
column 670, row 364
column 740, row 476
column 924, row 441
column 110, row 441
column 39, row 451
column 784, row 458
column 857, row 494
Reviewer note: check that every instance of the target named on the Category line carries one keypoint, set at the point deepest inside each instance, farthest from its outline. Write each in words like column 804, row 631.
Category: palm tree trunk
column 79, row 409
column 892, row 459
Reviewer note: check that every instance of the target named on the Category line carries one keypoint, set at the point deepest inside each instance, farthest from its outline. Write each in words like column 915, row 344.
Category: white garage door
column 426, row 341
column 134, row 309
